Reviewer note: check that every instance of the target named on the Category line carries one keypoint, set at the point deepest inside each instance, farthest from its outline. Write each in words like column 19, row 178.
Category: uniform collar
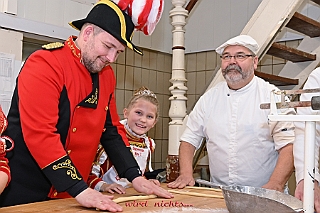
column 73, row 47
column 91, row 100
column 132, row 135
column 245, row 88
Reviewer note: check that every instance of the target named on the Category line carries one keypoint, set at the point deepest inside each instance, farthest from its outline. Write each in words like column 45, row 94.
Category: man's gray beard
column 233, row 74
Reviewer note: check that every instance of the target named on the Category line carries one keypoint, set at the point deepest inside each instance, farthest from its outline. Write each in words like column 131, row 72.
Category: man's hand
column 274, row 186
column 145, row 186
column 283, row 169
column 93, row 199
column 186, row 152
column 155, row 182
column 299, row 194
column 182, row 181
column 112, row 188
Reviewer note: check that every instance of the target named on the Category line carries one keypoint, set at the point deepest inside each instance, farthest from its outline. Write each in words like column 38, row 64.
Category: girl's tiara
column 145, row 91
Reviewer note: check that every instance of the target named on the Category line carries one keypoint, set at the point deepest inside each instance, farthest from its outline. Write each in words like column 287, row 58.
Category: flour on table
column 186, row 210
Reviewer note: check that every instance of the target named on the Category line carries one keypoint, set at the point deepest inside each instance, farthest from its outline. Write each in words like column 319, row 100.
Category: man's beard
column 90, row 65
column 234, row 74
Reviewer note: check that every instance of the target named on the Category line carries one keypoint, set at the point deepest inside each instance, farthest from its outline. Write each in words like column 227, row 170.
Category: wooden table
column 180, row 203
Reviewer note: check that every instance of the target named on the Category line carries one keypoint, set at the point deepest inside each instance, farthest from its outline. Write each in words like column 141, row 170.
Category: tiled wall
column 200, row 70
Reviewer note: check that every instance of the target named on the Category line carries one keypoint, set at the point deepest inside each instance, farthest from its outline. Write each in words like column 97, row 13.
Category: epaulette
column 54, row 45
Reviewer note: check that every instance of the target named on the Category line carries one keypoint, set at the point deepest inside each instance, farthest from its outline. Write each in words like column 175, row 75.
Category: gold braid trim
column 71, row 45
column 94, row 98
column 71, row 169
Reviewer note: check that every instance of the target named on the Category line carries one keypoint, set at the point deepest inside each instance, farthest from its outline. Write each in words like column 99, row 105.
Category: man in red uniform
column 62, row 107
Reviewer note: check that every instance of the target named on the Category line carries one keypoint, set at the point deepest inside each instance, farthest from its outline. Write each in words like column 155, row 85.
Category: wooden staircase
column 266, row 25
column 304, row 25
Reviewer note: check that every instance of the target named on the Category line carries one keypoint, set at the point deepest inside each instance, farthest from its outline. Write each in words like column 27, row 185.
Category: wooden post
column 178, row 109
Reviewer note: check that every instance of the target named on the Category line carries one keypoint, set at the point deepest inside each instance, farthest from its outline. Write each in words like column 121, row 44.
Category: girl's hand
column 112, row 188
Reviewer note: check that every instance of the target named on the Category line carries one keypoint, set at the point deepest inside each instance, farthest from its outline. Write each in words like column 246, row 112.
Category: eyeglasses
column 238, row 57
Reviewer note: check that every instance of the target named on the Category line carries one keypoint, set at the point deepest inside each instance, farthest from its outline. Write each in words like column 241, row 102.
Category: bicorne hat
column 109, row 17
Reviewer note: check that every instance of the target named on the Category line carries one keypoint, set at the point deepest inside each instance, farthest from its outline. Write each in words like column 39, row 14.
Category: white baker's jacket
column 242, row 145
column 313, row 82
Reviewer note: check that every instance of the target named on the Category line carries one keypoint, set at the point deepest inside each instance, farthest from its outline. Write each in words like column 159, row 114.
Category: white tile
column 137, row 73
column 153, row 60
column 160, row 84
column 152, row 82
column 168, row 63
column 122, row 58
column 138, row 60
column 160, row 62
column 119, row 95
column 200, row 82
column 146, row 59
column 158, row 128
column 191, row 83
column 165, row 105
column 145, row 77
column 191, row 60
column 120, row 76
column 211, row 61
column 129, row 78
column 201, row 61
column 161, row 104
column 130, row 57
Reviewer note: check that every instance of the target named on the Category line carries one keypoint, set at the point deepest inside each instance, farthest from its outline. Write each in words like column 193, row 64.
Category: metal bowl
column 247, row 199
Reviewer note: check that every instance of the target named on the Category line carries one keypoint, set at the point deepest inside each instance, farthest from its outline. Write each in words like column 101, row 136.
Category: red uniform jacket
column 59, row 114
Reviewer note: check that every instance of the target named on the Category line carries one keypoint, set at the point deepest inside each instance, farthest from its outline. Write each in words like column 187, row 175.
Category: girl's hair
column 146, row 94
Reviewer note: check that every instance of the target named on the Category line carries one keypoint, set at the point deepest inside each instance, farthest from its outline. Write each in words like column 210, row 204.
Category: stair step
column 277, row 80
column 289, row 53
column 304, row 24
column 316, row 1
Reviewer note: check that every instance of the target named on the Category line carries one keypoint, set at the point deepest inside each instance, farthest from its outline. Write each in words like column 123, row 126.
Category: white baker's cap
column 242, row 40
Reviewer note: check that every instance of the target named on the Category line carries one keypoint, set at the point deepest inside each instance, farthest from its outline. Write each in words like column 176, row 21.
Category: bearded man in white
column 244, row 147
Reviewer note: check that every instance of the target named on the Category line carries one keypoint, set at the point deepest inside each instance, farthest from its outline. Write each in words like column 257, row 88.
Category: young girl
column 141, row 114
column 4, row 167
